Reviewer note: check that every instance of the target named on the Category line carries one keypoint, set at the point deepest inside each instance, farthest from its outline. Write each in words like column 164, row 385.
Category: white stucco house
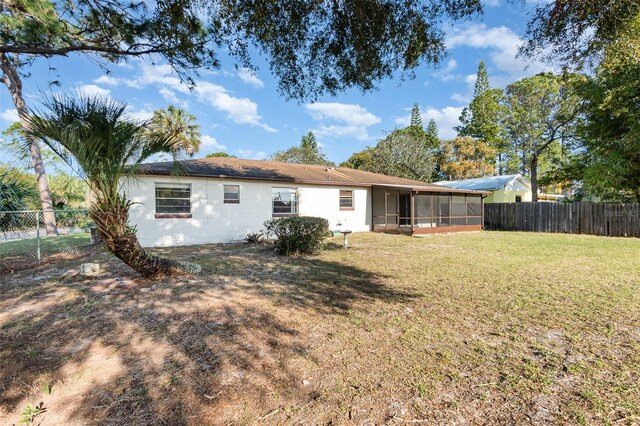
column 216, row 200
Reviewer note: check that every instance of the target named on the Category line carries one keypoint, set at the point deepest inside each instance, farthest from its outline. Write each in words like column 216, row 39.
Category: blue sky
column 243, row 114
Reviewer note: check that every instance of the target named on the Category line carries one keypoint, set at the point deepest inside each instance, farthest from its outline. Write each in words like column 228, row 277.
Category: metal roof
column 234, row 168
column 488, row 183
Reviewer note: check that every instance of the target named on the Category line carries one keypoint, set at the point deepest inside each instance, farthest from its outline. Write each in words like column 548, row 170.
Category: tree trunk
column 121, row 240
column 11, row 79
column 534, row 178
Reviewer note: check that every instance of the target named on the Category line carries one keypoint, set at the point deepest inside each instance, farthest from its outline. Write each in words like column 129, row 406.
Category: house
column 217, row 200
column 502, row 189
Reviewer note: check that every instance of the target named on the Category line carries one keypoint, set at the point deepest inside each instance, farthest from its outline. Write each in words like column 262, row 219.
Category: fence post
column 38, row 232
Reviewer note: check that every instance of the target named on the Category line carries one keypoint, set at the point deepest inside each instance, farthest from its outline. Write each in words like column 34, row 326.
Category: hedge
column 297, row 235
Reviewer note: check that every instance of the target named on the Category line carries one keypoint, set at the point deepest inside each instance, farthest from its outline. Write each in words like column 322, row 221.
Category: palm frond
column 95, row 134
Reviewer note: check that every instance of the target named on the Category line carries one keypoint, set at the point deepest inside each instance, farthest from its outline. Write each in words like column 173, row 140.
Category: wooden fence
column 614, row 220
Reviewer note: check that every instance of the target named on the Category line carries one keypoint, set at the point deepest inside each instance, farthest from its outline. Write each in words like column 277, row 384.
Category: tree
column 219, row 155
column 433, row 135
column 577, row 32
column 105, row 147
column 312, row 47
column 404, row 153
column 13, row 138
column 609, row 157
column 484, row 117
column 362, row 160
column 429, row 138
column 14, row 191
column 67, row 191
column 11, row 79
column 416, row 117
column 13, row 195
column 543, row 113
column 178, row 124
column 466, row 158
column 482, row 80
column 307, row 153
column 433, row 143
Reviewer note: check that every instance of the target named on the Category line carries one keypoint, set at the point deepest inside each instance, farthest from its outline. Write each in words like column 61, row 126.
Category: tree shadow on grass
column 228, row 345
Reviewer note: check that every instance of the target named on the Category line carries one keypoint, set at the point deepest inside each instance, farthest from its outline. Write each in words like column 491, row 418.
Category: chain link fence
column 26, row 236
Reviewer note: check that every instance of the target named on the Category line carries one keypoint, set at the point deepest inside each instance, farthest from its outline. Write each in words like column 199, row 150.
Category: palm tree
column 13, row 194
column 179, row 124
column 94, row 136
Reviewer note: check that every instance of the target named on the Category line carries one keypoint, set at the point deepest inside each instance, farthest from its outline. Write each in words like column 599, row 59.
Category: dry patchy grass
column 483, row 328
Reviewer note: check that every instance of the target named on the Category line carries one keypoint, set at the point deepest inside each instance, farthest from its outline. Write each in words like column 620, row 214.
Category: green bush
column 298, row 235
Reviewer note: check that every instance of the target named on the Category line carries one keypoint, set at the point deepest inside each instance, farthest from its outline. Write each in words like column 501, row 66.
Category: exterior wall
column 505, row 196
column 213, row 221
column 324, row 201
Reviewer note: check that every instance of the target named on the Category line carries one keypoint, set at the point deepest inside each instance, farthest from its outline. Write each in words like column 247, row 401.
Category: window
column 285, row 201
column 173, row 200
column 443, row 210
column 474, row 206
column 232, row 194
column 346, row 199
column 458, row 205
column 518, row 198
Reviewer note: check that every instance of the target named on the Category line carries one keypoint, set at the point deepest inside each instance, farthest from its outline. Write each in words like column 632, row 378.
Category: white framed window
column 285, row 201
column 346, row 199
column 173, row 200
column 232, row 194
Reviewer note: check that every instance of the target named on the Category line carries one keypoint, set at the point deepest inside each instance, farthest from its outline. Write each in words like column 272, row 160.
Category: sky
column 241, row 113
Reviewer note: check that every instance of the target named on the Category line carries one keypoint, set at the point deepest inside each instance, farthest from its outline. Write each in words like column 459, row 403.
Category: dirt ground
column 484, row 328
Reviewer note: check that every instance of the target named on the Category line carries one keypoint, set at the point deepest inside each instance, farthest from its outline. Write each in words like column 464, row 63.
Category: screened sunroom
column 425, row 210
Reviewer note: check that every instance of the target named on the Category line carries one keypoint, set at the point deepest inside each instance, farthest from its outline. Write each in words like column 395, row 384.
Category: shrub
column 298, row 235
column 255, row 238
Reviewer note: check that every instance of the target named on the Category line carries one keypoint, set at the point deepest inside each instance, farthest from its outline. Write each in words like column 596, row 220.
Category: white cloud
column 238, row 110
column 446, row 73
column 105, row 79
column 349, row 113
column 210, row 141
column 335, row 130
column 503, row 44
column 170, row 96
column 143, row 114
column 249, row 154
column 356, row 119
column 157, row 74
column 250, row 77
column 10, row 115
column 493, row 3
column 465, row 98
column 91, row 90
column 461, row 98
column 446, row 118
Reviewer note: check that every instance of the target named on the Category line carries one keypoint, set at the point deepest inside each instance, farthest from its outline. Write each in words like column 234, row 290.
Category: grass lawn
column 27, row 248
column 476, row 328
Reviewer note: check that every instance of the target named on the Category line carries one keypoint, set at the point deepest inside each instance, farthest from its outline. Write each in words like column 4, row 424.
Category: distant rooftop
column 487, row 183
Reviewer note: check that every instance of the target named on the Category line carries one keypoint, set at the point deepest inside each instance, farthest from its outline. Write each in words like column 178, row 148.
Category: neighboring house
column 222, row 199
column 502, row 189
